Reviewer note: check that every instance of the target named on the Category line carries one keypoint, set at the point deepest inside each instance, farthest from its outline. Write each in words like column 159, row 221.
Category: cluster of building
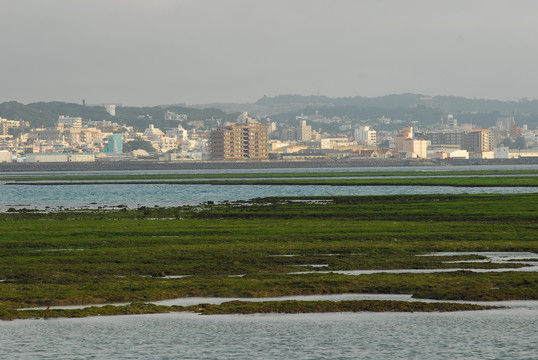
column 75, row 140
column 446, row 140
column 465, row 142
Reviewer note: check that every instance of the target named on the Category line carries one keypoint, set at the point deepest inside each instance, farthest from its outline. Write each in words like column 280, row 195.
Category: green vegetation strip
column 246, row 307
column 295, row 307
column 103, row 256
column 125, row 177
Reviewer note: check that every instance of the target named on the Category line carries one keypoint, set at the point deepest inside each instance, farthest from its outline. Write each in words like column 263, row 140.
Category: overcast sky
column 180, row 51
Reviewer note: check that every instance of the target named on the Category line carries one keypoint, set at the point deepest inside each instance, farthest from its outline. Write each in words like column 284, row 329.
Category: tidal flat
column 85, row 257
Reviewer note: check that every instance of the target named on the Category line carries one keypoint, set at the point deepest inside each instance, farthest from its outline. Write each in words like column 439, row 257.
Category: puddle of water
column 525, row 304
column 188, row 301
column 416, row 271
column 500, row 257
column 526, row 258
column 219, row 300
column 166, row 276
column 313, row 265
column 331, row 297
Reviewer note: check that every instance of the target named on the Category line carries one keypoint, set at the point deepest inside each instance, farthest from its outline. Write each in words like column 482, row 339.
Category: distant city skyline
column 144, row 53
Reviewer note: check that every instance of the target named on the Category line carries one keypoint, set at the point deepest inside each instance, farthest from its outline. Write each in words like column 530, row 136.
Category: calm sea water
column 92, row 196
column 492, row 334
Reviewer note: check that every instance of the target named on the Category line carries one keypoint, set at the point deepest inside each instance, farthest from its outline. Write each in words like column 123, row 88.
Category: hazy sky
column 180, row 51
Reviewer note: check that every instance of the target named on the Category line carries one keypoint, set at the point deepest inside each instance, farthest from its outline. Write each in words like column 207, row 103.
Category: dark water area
column 491, row 334
column 134, row 195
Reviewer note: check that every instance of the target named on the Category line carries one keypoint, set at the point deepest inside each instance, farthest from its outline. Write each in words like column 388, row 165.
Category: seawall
column 269, row 164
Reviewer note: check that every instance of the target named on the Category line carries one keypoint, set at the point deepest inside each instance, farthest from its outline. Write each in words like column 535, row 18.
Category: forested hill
column 387, row 101
column 47, row 113
column 424, row 109
column 452, row 104
column 410, row 108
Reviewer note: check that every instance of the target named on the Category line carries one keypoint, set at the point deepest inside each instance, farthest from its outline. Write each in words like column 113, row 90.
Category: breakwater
column 268, row 164
column 205, row 165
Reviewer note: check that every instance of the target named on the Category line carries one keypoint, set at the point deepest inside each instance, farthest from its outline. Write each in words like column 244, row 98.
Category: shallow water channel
column 491, row 334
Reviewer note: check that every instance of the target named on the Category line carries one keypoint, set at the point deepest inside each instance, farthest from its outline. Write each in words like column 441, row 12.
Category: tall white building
column 365, row 136
column 451, row 122
column 169, row 116
column 304, row 132
column 67, row 122
column 153, row 134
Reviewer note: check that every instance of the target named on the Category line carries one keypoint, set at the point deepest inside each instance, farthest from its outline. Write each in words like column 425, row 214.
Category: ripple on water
column 492, row 334
column 135, row 195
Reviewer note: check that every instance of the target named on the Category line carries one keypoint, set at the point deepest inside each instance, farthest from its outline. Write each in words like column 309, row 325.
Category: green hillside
column 409, row 108
column 47, row 113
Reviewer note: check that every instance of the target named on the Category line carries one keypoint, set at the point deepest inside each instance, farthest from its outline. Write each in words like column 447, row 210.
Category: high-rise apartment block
column 366, row 136
column 304, row 132
column 5, row 125
column 115, row 144
column 474, row 141
column 451, row 122
column 478, row 140
column 245, row 140
column 287, row 133
column 444, row 138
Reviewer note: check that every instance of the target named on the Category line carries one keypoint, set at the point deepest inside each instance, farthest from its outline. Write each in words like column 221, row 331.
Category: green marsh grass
column 105, row 256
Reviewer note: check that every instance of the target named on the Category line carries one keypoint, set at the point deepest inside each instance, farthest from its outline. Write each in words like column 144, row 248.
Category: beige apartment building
column 416, row 147
column 242, row 141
